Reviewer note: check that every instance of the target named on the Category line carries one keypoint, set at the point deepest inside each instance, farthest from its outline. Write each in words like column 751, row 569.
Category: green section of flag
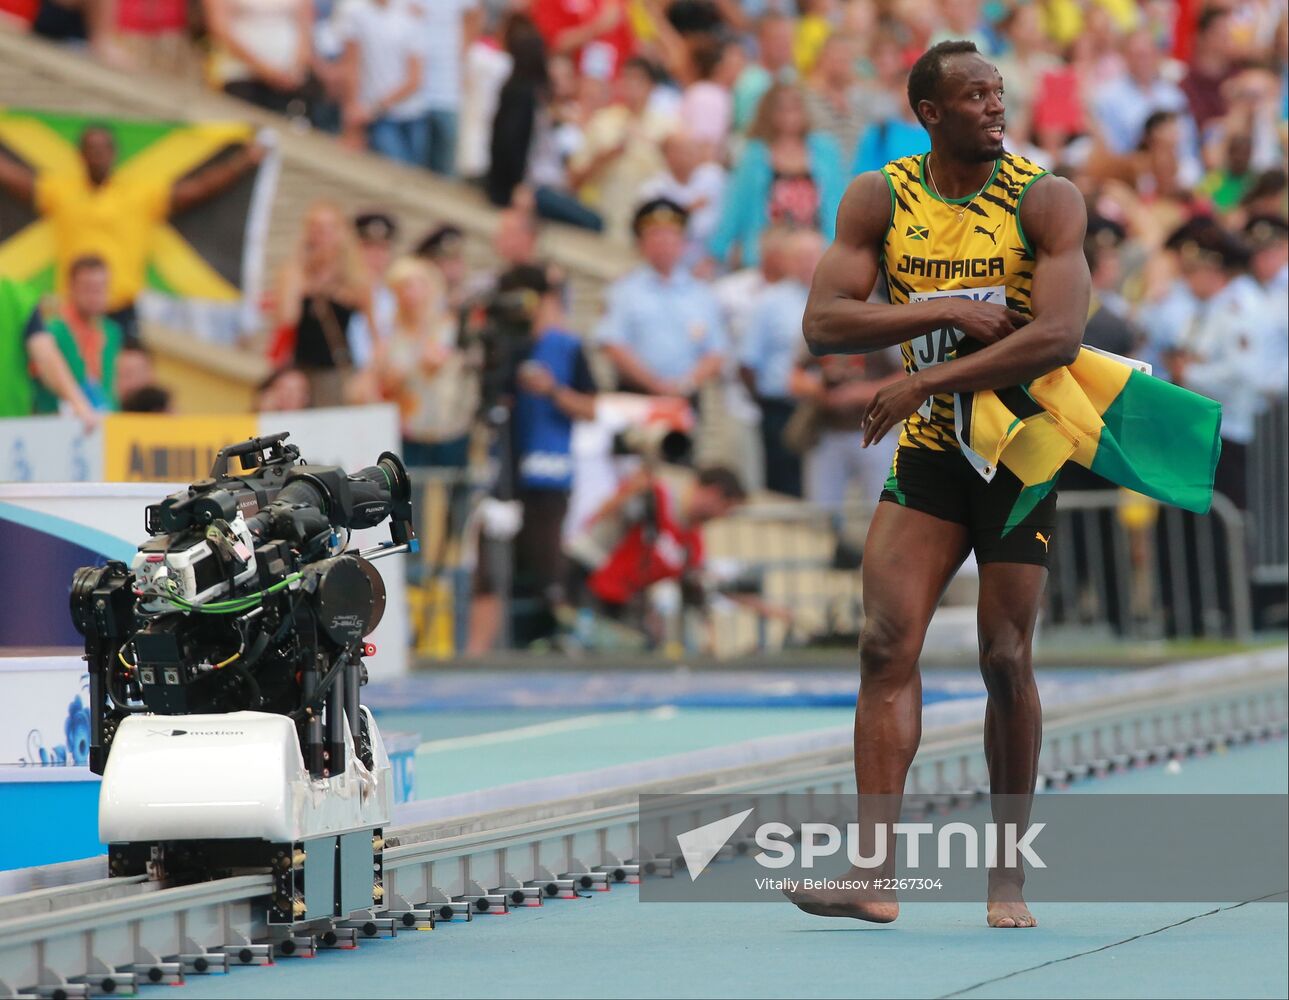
column 1159, row 439
column 132, row 137
column 1163, row 441
column 16, row 304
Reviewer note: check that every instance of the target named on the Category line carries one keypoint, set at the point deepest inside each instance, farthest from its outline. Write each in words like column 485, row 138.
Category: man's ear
column 928, row 112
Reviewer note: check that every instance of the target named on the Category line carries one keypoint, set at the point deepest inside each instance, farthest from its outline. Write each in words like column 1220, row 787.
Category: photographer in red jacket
column 648, row 532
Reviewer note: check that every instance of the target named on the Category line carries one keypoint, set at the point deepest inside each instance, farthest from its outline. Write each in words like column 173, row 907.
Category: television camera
column 225, row 664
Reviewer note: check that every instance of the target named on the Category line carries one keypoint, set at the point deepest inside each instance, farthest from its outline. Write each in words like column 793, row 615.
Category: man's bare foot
column 878, row 907
column 1007, row 908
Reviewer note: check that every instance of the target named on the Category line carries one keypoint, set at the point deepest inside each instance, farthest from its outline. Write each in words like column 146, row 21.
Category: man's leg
column 1009, row 600
column 909, row 558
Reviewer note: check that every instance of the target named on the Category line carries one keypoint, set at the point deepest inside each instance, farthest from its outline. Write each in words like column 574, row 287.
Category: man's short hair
column 445, row 241
column 642, row 65
column 928, row 72
column 724, row 480
column 1205, row 240
column 1266, row 230
column 657, row 210
column 274, row 377
column 1155, row 120
column 1209, row 16
column 86, row 262
column 375, row 227
column 147, row 399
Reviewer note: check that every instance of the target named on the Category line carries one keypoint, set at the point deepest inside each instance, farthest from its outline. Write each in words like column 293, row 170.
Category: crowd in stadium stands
column 717, row 137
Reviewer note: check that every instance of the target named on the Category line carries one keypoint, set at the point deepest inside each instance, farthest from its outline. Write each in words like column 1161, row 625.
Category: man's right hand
column 986, row 322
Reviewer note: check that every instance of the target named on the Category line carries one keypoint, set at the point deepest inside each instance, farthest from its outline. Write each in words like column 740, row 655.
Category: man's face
column 1140, row 57
column 452, row 267
column 968, row 119
column 776, row 43
column 289, row 392
column 1267, row 261
column 1218, row 40
column 707, row 503
column 88, row 290
column 789, row 116
column 1205, row 278
column 662, row 244
column 98, row 150
column 635, row 88
column 837, row 61
column 515, row 242
column 682, row 153
column 803, row 253
column 133, row 371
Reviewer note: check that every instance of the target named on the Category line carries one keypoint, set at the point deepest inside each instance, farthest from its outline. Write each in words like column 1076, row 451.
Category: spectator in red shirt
column 1211, row 66
column 596, row 33
column 155, row 35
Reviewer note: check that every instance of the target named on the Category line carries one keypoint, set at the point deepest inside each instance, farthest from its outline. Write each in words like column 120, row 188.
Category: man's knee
column 1007, row 668
column 886, row 651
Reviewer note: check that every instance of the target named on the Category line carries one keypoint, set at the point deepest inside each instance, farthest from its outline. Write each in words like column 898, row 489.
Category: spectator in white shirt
column 261, row 49
column 1268, row 238
column 383, row 67
column 1122, row 105
column 690, row 182
column 487, row 65
column 442, row 27
column 1219, row 353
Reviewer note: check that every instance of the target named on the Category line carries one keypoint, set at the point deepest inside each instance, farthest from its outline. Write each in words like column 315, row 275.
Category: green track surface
column 611, row 945
column 465, row 752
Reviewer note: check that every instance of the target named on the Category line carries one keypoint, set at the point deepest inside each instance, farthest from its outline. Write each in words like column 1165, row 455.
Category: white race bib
column 941, row 345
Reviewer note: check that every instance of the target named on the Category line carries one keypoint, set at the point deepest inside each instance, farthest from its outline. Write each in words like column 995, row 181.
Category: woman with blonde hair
column 787, row 175
column 318, row 290
column 421, row 368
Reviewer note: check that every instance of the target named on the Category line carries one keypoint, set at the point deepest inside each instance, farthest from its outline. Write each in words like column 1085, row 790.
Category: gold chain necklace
column 962, row 209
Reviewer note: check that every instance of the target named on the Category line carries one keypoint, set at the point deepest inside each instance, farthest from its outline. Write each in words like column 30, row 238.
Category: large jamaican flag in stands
column 204, row 265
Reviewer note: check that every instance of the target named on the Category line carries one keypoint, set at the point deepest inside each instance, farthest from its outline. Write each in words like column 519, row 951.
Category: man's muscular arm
column 1055, row 218
column 839, row 320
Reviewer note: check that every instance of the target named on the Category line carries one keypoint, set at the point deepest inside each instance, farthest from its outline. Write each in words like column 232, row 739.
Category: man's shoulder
column 783, row 292
column 638, row 278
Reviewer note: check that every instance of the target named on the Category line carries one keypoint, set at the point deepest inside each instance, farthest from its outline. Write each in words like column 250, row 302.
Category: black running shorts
column 944, row 485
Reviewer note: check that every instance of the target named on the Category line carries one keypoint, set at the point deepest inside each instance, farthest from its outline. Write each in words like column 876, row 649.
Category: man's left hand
column 891, row 406
column 255, row 153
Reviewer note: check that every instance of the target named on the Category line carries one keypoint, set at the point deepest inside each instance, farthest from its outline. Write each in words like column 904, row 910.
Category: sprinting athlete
column 982, row 252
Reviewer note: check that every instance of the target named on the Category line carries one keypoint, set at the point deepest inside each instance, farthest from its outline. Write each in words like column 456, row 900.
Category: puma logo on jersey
column 993, row 236
column 1039, row 536
column 918, row 233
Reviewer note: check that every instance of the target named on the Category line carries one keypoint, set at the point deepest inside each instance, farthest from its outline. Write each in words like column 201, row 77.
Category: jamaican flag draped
column 1108, row 414
column 209, row 256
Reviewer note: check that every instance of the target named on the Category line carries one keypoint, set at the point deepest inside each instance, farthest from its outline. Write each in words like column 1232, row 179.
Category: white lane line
column 575, row 724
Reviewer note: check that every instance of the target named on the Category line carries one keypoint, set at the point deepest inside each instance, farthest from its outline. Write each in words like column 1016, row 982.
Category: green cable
column 236, row 606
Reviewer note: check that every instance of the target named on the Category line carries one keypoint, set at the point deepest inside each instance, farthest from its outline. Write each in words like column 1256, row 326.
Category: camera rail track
column 93, row 935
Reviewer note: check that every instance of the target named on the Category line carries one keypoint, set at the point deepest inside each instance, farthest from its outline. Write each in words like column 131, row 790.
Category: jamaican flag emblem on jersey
column 917, row 233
